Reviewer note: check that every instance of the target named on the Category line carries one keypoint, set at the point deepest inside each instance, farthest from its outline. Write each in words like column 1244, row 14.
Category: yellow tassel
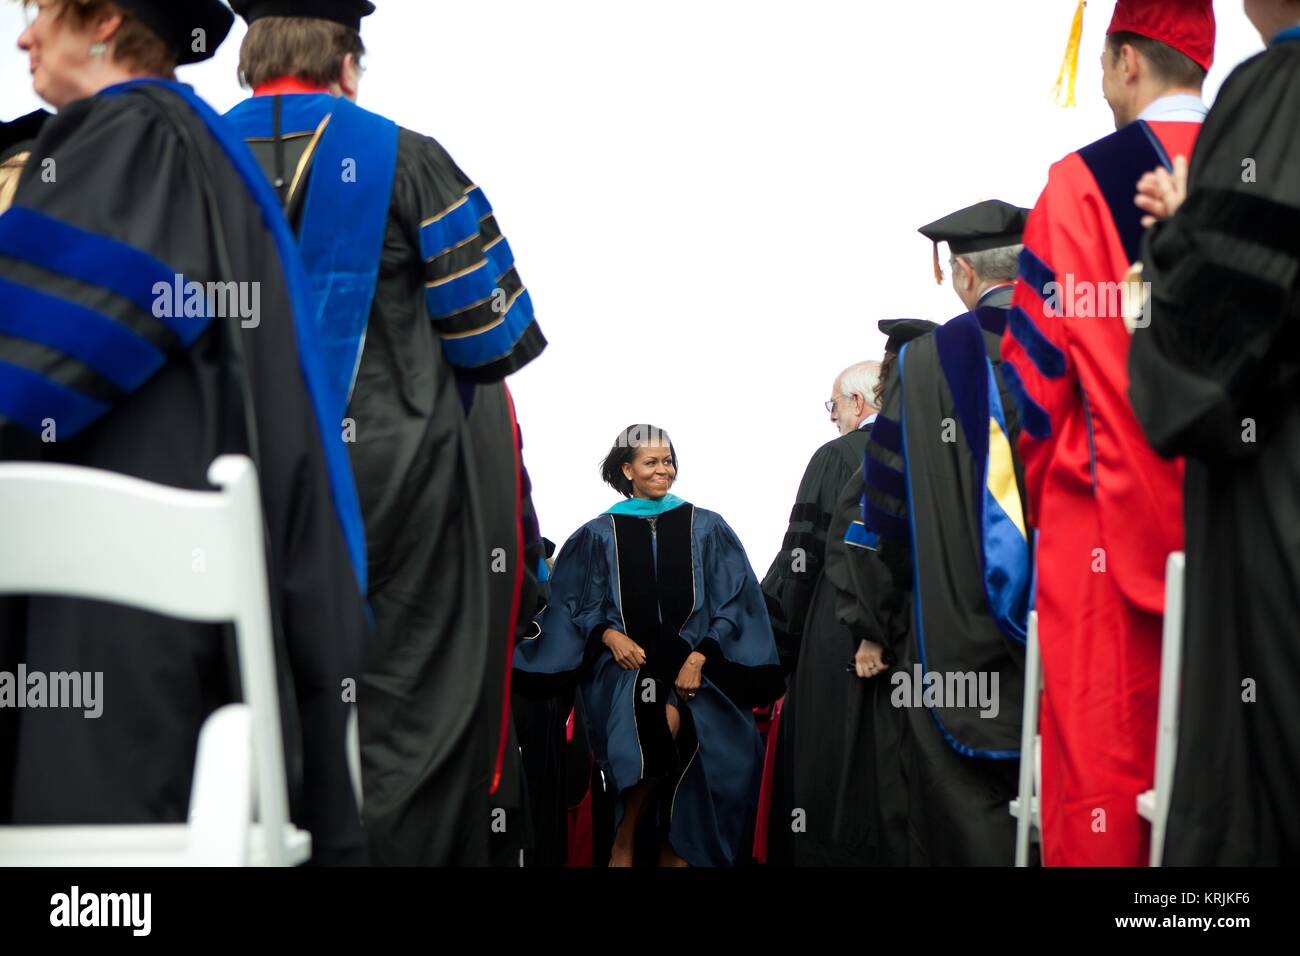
column 938, row 271
column 1070, row 64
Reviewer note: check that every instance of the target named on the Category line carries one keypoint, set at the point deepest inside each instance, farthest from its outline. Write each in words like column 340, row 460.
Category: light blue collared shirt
column 868, row 420
column 1179, row 108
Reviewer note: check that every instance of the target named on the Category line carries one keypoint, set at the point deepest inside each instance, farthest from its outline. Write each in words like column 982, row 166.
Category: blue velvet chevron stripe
column 28, row 399
column 886, row 433
column 884, row 481
column 883, row 478
column 478, row 283
column 883, row 523
column 102, row 345
column 1047, row 358
column 96, row 260
column 343, row 490
column 1042, row 351
column 1035, row 273
column 1034, row 419
column 344, row 216
column 456, row 226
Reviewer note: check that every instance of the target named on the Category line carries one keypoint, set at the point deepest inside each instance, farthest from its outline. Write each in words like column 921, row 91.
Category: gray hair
column 861, row 378
column 994, row 265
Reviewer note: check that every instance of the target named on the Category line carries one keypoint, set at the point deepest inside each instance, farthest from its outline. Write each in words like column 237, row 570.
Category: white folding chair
column 1029, row 825
column 1153, row 804
column 79, row 532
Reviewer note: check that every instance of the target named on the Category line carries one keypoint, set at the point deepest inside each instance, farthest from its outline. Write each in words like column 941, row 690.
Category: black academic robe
column 872, row 814
column 965, row 565
column 139, row 173
column 435, row 451
column 514, row 548
column 1214, row 377
column 818, row 768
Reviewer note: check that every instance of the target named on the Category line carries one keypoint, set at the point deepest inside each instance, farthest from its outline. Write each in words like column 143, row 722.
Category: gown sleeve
column 789, row 584
column 572, row 623
column 87, row 267
column 738, row 646
column 473, row 292
column 866, row 601
column 80, row 325
column 1218, row 355
column 1060, row 237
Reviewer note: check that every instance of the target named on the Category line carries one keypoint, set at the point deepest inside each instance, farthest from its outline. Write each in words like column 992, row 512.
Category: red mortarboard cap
column 1185, row 25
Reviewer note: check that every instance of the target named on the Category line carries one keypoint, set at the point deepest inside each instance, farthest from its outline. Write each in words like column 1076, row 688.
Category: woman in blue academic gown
column 656, row 610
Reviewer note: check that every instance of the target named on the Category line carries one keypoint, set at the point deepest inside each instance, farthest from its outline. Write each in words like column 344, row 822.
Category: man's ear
column 350, row 76
column 965, row 270
column 1132, row 62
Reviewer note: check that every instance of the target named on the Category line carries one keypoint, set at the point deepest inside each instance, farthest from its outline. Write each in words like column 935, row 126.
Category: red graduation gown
column 1107, row 508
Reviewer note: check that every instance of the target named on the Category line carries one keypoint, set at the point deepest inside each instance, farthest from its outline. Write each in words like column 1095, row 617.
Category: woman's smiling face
column 651, row 471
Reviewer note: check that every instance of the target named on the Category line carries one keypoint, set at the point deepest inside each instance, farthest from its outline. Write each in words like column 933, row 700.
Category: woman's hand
column 688, row 678
column 627, row 652
column 869, row 660
column 1160, row 192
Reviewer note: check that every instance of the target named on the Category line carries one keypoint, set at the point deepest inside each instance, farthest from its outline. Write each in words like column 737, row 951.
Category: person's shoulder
column 426, row 175
column 413, row 144
column 849, row 444
column 709, row 522
column 106, row 114
column 1259, row 82
column 1278, row 57
column 598, row 527
column 417, row 152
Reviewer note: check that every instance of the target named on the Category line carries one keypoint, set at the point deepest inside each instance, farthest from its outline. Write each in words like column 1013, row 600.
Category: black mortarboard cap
column 176, row 20
column 902, row 331
column 346, row 12
column 986, row 225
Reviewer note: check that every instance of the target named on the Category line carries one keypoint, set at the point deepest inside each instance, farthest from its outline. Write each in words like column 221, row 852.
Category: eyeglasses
column 830, row 406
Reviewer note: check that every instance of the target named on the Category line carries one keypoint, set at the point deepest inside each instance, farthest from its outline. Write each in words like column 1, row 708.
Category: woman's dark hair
column 624, row 450
column 887, row 366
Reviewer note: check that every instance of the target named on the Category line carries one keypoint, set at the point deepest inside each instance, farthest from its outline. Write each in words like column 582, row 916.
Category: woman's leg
column 667, row 856
column 634, row 803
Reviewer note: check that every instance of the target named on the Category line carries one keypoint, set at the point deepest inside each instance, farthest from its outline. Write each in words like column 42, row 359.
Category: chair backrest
column 195, row 555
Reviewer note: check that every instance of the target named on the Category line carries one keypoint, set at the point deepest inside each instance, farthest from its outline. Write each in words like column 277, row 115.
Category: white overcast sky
column 714, row 201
